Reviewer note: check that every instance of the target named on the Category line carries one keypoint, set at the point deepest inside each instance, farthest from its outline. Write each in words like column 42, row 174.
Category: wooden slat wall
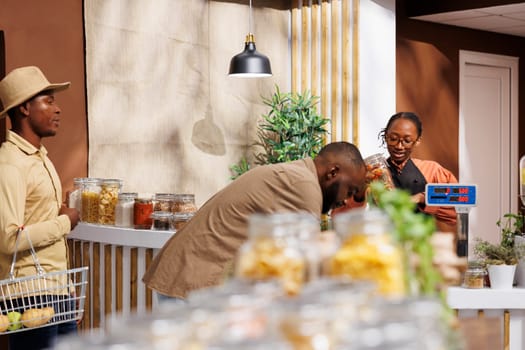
column 324, row 60
column 114, row 284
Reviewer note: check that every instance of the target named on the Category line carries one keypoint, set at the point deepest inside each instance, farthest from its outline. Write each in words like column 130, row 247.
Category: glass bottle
column 277, row 248
column 124, row 209
column 90, row 200
column 109, row 191
column 368, row 251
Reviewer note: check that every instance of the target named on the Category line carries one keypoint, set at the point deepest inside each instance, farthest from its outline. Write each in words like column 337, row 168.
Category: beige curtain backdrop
column 162, row 113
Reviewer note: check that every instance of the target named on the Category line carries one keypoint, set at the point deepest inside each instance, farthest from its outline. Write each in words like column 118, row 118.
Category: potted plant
column 292, row 129
column 501, row 258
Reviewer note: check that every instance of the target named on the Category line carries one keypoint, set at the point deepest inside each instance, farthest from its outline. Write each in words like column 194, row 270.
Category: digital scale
column 460, row 196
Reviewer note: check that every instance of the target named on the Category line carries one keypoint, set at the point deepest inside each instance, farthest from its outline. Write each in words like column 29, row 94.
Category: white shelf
column 486, row 298
column 120, row 236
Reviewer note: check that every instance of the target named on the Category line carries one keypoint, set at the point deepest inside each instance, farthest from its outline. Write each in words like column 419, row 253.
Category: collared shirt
column 198, row 255
column 30, row 196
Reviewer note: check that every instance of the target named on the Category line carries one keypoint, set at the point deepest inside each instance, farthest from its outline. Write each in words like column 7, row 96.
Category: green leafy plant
column 412, row 231
column 292, row 129
column 506, row 251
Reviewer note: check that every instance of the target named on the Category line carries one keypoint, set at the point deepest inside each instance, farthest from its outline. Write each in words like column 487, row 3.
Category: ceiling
column 504, row 19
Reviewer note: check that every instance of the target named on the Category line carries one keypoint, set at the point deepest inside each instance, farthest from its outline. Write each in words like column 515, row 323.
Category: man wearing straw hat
column 30, row 191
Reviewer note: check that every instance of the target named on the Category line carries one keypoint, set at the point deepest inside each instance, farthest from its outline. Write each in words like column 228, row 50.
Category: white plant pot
column 501, row 276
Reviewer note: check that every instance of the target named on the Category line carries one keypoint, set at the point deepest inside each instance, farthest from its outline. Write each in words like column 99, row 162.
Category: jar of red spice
column 142, row 210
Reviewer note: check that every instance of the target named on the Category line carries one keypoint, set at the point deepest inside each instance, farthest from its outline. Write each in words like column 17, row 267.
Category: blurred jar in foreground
column 108, row 198
column 142, row 210
column 377, row 170
column 368, row 251
column 124, row 209
column 277, row 248
column 90, row 200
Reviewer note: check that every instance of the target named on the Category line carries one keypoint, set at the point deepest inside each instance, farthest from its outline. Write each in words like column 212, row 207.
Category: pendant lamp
column 250, row 63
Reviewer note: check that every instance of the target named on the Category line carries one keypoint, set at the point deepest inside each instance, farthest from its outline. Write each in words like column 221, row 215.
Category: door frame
column 501, row 61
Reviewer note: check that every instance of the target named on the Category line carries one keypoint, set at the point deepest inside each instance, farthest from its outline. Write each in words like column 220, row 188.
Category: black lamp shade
column 250, row 63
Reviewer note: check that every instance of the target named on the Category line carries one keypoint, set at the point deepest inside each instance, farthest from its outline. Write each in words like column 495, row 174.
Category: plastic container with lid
column 275, row 249
column 90, row 198
column 368, row 251
column 160, row 220
column 124, row 209
column 142, row 210
column 108, row 198
column 184, row 203
column 178, row 220
column 376, row 164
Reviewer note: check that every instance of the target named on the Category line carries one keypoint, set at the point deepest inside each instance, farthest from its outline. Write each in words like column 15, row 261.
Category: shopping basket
column 42, row 300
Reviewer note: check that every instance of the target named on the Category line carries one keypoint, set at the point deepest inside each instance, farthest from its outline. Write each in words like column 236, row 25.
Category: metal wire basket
column 42, row 300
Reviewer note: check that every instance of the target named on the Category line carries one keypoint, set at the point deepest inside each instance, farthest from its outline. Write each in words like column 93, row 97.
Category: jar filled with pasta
column 108, row 198
column 368, row 251
column 90, row 198
column 276, row 249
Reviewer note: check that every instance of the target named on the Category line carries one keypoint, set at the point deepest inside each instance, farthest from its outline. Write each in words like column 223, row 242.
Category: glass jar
column 124, row 209
column 90, row 200
column 142, row 210
column 274, row 249
column 474, row 278
column 74, row 197
column 368, row 251
column 163, row 201
column 178, row 220
column 377, row 166
column 160, row 220
column 184, row 203
column 109, row 190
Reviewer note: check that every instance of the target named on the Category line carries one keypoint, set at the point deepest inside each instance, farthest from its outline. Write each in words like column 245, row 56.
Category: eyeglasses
column 393, row 140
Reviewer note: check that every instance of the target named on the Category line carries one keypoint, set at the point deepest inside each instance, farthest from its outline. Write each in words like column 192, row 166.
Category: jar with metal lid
column 160, row 220
column 377, row 166
column 73, row 199
column 124, row 209
column 142, row 210
column 109, row 190
column 90, row 199
column 163, row 201
column 184, row 203
column 274, row 249
column 474, row 277
column 368, row 251
column 178, row 220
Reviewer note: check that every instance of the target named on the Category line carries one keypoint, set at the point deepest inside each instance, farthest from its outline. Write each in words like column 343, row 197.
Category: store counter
column 117, row 260
column 507, row 304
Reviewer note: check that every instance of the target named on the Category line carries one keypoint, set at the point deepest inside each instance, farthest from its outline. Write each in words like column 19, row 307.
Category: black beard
column 330, row 198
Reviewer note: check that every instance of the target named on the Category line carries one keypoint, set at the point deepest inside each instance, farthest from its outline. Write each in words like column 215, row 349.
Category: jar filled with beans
column 163, row 202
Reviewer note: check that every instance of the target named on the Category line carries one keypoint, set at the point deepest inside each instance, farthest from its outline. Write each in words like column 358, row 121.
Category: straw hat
column 22, row 84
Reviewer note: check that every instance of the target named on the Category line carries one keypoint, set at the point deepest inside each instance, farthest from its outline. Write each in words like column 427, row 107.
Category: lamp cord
column 250, row 19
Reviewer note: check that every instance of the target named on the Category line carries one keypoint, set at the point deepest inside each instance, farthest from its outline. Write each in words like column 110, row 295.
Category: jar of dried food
column 109, row 190
column 90, row 200
column 377, row 166
column 163, row 201
column 274, row 249
column 160, row 220
column 368, row 251
column 142, row 210
column 474, row 277
column 178, row 220
column 124, row 209
column 184, row 203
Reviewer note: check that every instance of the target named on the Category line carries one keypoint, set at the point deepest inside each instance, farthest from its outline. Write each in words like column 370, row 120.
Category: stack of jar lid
column 171, row 211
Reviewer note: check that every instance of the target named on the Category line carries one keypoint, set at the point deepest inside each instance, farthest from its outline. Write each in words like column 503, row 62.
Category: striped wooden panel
column 95, row 285
column 305, row 50
column 86, row 261
column 355, row 72
column 119, row 288
column 295, row 43
column 108, row 277
column 314, row 67
column 325, row 59
column 149, row 294
column 133, row 279
column 335, row 75
column 346, row 58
